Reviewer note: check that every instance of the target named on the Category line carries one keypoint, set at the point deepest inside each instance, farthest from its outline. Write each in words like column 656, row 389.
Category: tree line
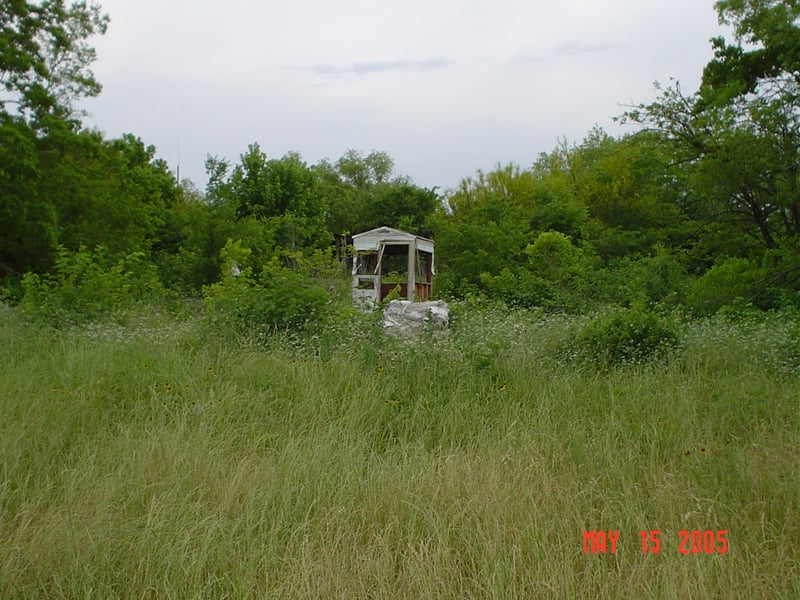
column 700, row 207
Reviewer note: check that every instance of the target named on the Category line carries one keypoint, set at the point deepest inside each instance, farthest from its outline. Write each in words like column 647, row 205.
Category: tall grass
column 175, row 464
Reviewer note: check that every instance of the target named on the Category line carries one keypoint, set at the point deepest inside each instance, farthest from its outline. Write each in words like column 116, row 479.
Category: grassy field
column 157, row 460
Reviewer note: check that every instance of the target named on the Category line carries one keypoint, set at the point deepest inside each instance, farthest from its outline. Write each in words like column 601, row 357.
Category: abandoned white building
column 386, row 259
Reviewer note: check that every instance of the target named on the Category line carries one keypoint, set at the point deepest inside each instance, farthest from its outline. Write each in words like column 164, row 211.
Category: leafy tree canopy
column 737, row 140
column 765, row 55
column 45, row 57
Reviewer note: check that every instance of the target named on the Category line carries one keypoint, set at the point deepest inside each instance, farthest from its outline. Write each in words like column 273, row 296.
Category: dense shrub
column 279, row 298
column 631, row 335
column 85, row 285
column 657, row 279
column 729, row 283
column 519, row 289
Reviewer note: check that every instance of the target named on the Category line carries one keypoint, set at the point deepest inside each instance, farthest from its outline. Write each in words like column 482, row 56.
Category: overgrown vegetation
column 155, row 460
column 698, row 208
column 191, row 407
column 86, row 285
column 632, row 335
column 280, row 298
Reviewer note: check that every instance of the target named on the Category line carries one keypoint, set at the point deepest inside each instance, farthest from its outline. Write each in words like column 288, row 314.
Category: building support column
column 412, row 270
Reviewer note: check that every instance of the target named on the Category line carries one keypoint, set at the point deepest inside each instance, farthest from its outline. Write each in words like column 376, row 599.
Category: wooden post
column 411, row 280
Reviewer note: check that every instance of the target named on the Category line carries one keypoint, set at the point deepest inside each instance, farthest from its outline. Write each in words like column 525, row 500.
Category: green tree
column 280, row 193
column 765, row 55
column 364, row 171
column 363, row 192
column 482, row 232
column 741, row 160
column 113, row 193
column 737, row 140
column 554, row 201
column 44, row 69
column 346, row 203
column 45, row 57
column 632, row 193
column 28, row 223
column 401, row 205
column 553, row 256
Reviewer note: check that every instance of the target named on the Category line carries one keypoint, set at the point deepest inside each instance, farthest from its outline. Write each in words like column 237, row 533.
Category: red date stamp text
column 695, row 541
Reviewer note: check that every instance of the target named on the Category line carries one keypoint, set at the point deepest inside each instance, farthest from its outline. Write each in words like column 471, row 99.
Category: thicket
column 287, row 294
column 86, row 285
column 697, row 211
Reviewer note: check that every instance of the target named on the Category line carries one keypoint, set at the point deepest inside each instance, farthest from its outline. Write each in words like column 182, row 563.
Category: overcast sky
column 446, row 87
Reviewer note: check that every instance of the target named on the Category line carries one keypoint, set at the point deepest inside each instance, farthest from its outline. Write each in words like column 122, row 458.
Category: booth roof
column 372, row 239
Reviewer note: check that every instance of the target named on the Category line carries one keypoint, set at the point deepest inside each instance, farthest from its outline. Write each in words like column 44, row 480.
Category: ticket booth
column 386, row 259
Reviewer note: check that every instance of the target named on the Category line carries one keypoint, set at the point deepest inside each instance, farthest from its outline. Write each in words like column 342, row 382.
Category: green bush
column 631, row 335
column 658, row 279
column 519, row 289
column 732, row 282
column 85, row 285
column 279, row 298
column 553, row 256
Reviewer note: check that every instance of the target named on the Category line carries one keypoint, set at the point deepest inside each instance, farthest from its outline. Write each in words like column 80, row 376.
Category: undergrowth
column 159, row 460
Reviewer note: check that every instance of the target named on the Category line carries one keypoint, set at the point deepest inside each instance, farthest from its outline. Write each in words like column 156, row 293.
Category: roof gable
column 372, row 239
